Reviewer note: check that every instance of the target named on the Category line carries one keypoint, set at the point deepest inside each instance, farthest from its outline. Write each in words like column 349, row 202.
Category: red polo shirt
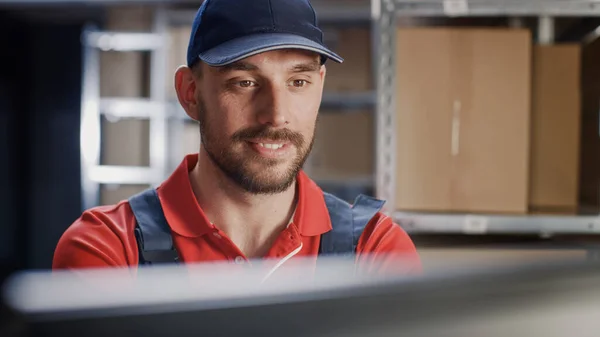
column 104, row 236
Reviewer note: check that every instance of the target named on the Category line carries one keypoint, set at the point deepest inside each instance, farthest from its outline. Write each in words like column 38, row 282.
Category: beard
column 250, row 171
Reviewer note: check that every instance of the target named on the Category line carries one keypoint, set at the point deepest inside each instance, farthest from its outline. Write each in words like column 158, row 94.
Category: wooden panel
column 493, row 152
column 555, row 127
column 426, row 77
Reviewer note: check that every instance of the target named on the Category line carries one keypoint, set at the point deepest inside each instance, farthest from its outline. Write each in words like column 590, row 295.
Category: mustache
column 269, row 133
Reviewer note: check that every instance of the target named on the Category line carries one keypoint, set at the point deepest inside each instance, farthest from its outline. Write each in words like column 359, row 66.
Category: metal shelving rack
column 154, row 109
column 384, row 15
column 167, row 118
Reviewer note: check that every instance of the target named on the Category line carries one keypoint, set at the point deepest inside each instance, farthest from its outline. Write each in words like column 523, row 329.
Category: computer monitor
column 516, row 301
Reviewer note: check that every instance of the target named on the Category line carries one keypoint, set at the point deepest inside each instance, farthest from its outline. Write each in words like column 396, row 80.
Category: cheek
column 306, row 114
column 222, row 115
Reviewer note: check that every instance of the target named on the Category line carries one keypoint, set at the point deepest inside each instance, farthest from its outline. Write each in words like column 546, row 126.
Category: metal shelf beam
column 494, row 7
column 351, row 182
column 497, row 224
column 136, row 175
column 139, row 108
column 326, row 13
column 120, row 41
column 348, row 101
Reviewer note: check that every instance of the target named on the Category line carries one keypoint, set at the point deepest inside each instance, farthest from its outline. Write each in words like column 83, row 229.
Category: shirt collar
column 187, row 218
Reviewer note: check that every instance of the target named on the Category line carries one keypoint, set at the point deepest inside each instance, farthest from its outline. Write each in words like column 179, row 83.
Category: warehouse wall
column 40, row 82
column 13, row 139
column 54, row 153
column 590, row 142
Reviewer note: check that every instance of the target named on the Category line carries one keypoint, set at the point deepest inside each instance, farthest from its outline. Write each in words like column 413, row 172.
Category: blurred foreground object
column 524, row 300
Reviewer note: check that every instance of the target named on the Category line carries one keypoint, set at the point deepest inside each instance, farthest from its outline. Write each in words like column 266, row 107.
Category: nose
column 274, row 111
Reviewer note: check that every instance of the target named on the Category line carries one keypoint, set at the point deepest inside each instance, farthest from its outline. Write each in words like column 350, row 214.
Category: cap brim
column 240, row 48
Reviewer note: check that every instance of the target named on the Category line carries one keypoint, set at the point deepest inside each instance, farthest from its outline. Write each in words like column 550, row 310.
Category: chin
column 270, row 180
column 256, row 185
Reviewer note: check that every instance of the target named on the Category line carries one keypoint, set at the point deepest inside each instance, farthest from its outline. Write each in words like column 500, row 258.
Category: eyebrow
column 239, row 66
column 313, row 66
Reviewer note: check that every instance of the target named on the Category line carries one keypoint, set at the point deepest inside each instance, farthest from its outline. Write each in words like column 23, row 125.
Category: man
column 253, row 81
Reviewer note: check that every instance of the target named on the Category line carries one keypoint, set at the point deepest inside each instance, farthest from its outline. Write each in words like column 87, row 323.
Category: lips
column 270, row 149
column 272, row 146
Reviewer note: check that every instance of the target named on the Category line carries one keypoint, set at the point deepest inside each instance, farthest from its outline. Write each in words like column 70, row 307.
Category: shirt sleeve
column 386, row 249
column 96, row 240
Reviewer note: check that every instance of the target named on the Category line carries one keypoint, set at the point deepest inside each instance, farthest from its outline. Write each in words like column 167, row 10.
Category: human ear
column 185, row 86
column 322, row 73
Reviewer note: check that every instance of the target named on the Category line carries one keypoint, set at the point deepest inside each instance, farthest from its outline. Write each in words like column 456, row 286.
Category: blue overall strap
column 152, row 232
column 348, row 222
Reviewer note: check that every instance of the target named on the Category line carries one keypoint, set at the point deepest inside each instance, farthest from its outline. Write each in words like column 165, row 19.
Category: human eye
column 246, row 84
column 299, row 83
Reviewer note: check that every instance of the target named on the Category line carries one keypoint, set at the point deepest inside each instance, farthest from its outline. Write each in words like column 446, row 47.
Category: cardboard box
column 129, row 18
column 124, row 74
column 463, row 119
column 556, row 118
column 125, row 142
column 355, row 74
column 191, row 138
column 113, row 194
column 344, row 146
column 178, row 41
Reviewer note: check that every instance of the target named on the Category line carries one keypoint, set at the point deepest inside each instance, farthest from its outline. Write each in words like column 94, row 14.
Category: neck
column 251, row 221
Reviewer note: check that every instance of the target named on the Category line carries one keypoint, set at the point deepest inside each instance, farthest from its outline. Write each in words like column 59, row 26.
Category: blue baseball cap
column 226, row 31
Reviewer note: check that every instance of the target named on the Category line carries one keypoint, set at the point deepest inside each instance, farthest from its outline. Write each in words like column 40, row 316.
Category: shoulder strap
column 155, row 243
column 152, row 232
column 348, row 222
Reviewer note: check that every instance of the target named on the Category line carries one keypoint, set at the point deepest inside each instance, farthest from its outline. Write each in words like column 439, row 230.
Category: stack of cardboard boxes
column 487, row 121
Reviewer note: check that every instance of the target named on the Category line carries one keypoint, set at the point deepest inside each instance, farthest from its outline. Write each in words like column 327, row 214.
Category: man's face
column 257, row 117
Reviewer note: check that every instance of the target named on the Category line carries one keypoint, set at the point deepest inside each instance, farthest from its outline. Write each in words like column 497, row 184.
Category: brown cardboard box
column 191, row 138
column 122, row 74
column 590, row 140
column 125, row 142
column 344, row 146
column 463, row 119
column 178, row 41
column 556, row 112
column 113, row 194
column 355, row 73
